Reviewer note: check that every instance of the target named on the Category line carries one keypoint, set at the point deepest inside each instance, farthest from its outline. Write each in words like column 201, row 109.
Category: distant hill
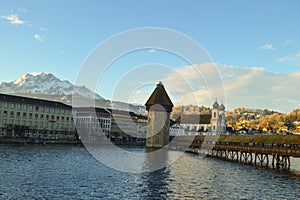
column 188, row 110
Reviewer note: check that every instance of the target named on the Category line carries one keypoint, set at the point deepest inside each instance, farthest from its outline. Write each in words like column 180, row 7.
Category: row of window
column 195, row 127
column 36, row 124
column 104, row 123
column 201, row 128
column 31, row 115
column 26, row 107
column 87, row 119
column 92, row 125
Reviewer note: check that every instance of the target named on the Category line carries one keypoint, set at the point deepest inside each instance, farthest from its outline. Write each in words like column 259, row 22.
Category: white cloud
column 38, row 37
column 196, row 84
column 288, row 58
column 284, row 59
column 43, row 29
column 297, row 54
column 24, row 10
column 13, row 19
column 268, row 47
column 138, row 96
column 244, row 87
column 288, row 42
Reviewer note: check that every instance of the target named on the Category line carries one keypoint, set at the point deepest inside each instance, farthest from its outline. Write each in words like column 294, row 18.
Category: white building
column 201, row 124
column 92, row 123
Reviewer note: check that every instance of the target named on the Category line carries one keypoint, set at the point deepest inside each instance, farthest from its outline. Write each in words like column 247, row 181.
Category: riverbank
column 38, row 141
column 59, row 141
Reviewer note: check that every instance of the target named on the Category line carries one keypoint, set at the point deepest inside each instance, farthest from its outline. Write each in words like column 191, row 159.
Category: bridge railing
column 282, row 151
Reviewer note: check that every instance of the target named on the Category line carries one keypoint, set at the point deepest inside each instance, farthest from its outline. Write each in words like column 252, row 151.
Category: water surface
column 70, row 172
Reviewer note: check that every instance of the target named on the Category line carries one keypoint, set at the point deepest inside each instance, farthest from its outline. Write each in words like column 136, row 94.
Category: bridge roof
column 259, row 139
column 262, row 139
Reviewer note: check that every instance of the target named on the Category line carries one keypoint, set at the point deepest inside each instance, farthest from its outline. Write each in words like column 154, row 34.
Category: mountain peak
column 39, row 73
column 27, row 77
column 42, row 83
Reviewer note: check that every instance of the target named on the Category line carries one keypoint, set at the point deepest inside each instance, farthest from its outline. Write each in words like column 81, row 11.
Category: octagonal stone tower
column 159, row 106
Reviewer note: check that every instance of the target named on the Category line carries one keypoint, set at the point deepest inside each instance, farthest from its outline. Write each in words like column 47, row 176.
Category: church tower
column 222, row 124
column 159, row 106
column 215, row 118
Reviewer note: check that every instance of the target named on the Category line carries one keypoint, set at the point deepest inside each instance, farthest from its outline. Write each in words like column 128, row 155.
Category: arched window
column 214, row 127
column 215, row 114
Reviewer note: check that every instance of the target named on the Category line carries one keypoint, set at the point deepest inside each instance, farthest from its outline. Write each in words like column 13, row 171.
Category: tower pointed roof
column 216, row 105
column 160, row 97
column 222, row 107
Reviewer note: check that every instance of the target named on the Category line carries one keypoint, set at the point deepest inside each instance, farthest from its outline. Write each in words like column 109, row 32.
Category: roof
column 259, row 139
column 92, row 109
column 160, row 97
column 194, row 119
column 222, row 107
column 122, row 112
column 216, row 105
column 34, row 101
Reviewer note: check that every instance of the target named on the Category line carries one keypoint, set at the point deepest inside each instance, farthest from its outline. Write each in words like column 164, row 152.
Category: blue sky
column 56, row 36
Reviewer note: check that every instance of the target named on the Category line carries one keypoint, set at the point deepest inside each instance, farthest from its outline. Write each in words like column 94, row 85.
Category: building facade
column 195, row 122
column 37, row 118
column 92, row 123
column 142, row 128
column 202, row 124
column 124, row 125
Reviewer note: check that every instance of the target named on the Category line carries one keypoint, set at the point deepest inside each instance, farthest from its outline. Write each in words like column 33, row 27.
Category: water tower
column 159, row 106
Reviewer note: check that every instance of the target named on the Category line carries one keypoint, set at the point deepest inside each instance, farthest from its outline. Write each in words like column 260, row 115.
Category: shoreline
column 66, row 142
column 37, row 141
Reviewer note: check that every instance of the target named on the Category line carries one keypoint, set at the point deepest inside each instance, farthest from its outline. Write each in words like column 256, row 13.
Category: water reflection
column 156, row 186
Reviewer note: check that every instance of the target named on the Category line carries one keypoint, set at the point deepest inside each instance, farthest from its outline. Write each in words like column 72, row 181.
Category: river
column 70, row 172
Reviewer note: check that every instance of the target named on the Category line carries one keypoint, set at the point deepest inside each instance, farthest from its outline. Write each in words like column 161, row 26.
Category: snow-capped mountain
column 45, row 85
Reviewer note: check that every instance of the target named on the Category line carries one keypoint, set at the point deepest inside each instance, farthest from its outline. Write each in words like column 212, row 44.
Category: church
column 195, row 123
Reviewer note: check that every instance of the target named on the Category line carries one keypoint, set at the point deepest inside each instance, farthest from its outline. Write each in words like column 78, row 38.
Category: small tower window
column 215, row 114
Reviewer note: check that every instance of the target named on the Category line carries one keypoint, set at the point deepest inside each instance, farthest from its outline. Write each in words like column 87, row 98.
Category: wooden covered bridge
column 256, row 149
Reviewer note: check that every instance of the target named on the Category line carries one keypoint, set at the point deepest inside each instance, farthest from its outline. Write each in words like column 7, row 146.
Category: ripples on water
column 69, row 172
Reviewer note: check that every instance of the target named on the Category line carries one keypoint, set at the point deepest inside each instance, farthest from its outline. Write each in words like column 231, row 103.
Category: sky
column 254, row 44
